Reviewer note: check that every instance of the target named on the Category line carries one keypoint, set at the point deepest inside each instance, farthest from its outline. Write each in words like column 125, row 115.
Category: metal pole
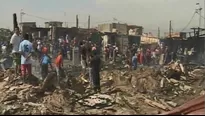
column 89, row 22
column 170, row 29
column 200, row 17
column 204, row 13
column 158, row 32
column 65, row 18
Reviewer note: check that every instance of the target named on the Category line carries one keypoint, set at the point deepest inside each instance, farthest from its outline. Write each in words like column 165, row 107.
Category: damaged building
column 51, row 30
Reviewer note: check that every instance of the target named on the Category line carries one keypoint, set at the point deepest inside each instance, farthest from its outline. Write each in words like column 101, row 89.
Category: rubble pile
column 144, row 91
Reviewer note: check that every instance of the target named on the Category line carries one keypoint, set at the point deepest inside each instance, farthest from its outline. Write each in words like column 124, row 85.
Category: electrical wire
column 189, row 22
column 37, row 16
column 201, row 15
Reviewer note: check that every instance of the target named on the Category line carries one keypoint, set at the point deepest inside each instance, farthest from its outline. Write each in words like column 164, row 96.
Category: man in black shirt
column 95, row 66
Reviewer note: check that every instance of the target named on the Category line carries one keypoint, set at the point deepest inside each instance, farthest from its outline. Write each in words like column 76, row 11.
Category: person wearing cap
column 45, row 61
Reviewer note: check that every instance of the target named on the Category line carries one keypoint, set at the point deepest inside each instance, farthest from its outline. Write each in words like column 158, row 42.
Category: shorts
column 26, row 68
column 17, row 58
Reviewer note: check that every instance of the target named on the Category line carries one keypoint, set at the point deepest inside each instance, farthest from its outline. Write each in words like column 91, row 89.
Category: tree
column 5, row 34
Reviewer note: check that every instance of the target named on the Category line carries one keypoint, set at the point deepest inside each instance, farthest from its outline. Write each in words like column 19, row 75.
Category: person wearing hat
column 45, row 61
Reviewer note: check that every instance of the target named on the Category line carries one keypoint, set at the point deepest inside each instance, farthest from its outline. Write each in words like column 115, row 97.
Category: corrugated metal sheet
column 192, row 107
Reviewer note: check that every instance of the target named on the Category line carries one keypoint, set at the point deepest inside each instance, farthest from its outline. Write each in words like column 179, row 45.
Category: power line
column 189, row 21
column 201, row 15
column 36, row 16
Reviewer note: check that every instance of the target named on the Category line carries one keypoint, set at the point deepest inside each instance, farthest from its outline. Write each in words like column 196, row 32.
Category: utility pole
column 21, row 15
column 200, row 17
column 158, row 33
column 65, row 19
column 89, row 22
column 77, row 21
column 198, row 10
column 204, row 13
column 170, row 29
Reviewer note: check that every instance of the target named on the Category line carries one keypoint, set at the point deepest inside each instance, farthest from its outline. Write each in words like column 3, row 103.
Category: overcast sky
column 150, row 14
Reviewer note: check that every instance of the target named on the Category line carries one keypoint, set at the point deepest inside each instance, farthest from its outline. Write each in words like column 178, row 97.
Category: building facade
column 53, row 23
column 113, row 27
column 134, row 30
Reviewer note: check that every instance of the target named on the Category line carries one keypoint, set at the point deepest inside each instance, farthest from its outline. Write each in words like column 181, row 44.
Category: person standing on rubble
column 15, row 42
column 134, row 61
column 45, row 61
column 26, row 50
column 59, row 66
column 95, row 72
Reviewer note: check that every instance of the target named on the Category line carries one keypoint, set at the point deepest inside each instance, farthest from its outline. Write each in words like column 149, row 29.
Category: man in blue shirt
column 26, row 50
column 45, row 61
column 134, row 62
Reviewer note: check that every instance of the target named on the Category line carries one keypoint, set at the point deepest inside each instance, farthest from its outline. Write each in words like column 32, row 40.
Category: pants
column 17, row 59
column 58, row 71
column 96, row 78
column 26, row 68
column 161, row 59
column 44, row 70
column 90, row 76
column 83, row 64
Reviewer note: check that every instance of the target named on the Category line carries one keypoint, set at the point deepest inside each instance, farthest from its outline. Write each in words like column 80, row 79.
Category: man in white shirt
column 15, row 42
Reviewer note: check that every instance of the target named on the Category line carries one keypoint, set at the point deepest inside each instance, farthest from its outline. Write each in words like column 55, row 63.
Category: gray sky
column 150, row 14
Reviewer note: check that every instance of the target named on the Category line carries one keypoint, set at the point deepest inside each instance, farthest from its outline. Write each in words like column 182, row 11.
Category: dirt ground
column 144, row 91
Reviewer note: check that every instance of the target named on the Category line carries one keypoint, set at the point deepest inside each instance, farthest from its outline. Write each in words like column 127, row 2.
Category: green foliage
column 5, row 34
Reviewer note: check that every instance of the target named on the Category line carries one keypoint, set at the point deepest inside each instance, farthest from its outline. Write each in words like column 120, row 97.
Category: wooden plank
column 155, row 104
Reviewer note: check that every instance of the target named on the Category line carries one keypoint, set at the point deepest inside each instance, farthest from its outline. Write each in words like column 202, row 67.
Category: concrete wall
column 105, row 28
column 121, row 28
column 56, row 24
column 136, row 30
column 149, row 40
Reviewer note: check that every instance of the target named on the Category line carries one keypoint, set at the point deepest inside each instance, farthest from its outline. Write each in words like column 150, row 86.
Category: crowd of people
column 24, row 50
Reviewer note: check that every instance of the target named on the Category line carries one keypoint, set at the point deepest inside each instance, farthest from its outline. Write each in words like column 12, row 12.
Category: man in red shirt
column 59, row 66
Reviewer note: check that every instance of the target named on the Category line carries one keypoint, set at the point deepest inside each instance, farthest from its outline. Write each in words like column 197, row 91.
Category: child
column 45, row 61
column 59, row 65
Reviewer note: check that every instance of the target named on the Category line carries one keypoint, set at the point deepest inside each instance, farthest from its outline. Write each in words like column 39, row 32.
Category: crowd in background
column 23, row 49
